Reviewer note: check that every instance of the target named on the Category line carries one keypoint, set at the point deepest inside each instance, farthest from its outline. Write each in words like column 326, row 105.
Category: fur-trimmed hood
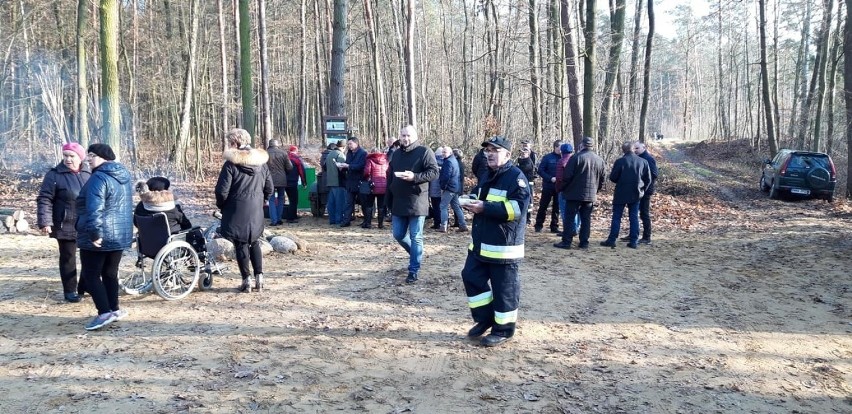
column 248, row 156
column 156, row 201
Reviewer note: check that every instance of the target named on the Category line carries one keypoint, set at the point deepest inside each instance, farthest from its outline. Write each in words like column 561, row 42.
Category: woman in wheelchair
column 157, row 198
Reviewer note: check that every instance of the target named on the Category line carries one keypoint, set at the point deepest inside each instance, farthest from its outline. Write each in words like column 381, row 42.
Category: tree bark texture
column 265, row 106
column 338, row 58
column 246, row 88
column 110, row 98
column 82, row 109
column 764, row 80
column 589, row 62
column 646, row 81
column 571, row 72
column 613, row 64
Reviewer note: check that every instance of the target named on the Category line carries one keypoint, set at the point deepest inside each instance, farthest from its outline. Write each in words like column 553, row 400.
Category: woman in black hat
column 104, row 230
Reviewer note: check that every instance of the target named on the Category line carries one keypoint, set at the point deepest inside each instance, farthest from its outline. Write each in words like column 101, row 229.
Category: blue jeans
column 408, row 232
column 276, row 205
column 617, row 212
column 451, row 199
column 563, row 212
column 335, row 204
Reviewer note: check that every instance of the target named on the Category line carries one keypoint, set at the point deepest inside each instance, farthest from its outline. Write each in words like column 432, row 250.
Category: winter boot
column 245, row 287
column 382, row 214
column 368, row 218
column 258, row 282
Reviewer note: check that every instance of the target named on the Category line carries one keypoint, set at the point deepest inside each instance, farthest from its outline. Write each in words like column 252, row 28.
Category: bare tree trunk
column 467, row 109
column 178, row 153
column 110, row 99
column 632, row 89
column 82, row 109
column 823, row 47
column 832, row 79
column 319, row 58
column 265, row 107
column 246, row 87
column 643, row 112
column 411, row 103
column 617, row 36
column 847, row 94
column 819, row 64
column 379, row 90
column 764, row 79
column 303, row 80
column 722, row 106
column 336, row 103
column 535, row 86
column 226, row 100
column 800, row 84
column 573, row 79
column 589, row 62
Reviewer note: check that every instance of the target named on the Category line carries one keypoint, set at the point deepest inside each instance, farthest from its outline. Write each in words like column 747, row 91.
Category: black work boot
column 368, row 218
column 381, row 219
column 479, row 329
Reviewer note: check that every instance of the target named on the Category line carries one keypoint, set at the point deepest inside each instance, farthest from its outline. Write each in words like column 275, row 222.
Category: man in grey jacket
column 409, row 172
column 582, row 178
column 632, row 176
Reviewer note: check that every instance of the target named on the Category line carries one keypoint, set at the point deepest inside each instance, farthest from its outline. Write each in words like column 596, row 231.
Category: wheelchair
column 180, row 261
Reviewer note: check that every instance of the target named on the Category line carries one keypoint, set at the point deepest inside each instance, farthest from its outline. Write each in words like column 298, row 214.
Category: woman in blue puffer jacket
column 104, row 230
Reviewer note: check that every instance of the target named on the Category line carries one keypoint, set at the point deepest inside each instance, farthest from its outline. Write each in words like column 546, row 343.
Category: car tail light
column 833, row 170
column 784, row 166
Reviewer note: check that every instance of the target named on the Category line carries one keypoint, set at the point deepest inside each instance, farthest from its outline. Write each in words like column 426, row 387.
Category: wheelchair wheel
column 132, row 278
column 136, row 283
column 206, row 281
column 175, row 270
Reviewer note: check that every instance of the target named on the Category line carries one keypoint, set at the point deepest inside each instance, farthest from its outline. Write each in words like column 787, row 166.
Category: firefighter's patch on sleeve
column 522, row 183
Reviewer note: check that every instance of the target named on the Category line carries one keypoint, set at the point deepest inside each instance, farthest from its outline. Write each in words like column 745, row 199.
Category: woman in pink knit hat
column 57, row 214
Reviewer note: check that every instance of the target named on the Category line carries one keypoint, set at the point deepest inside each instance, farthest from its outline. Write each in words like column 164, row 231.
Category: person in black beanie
column 104, row 229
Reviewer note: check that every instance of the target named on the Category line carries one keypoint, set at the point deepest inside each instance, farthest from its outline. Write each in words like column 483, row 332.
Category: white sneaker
column 120, row 314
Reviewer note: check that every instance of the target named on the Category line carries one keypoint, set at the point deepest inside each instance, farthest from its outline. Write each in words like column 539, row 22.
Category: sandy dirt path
column 751, row 314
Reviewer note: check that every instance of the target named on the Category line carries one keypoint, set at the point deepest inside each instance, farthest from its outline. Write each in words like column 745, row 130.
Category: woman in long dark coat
column 244, row 183
column 57, row 213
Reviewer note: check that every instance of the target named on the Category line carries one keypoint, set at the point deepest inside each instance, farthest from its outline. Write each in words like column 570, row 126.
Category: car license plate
column 800, row 191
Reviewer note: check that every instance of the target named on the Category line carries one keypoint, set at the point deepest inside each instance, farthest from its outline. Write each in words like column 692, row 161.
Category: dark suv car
column 799, row 173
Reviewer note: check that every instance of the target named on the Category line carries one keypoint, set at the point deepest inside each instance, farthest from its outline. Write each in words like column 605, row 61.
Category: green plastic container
column 304, row 192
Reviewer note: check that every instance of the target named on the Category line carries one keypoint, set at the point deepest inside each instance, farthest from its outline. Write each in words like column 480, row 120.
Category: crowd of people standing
column 88, row 206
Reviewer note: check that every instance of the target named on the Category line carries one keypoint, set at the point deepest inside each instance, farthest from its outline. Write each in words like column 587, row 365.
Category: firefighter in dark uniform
column 499, row 223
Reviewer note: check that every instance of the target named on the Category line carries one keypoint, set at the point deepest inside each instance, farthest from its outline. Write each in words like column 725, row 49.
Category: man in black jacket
column 356, row 160
column 582, row 178
column 409, row 172
column 526, row 163
column 547, row 172
column 279, row 164
column 645, row 202
column 479, row 166
column 631, row 176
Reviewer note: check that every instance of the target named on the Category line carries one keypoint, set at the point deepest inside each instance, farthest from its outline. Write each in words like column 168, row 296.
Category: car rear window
column 809, row 161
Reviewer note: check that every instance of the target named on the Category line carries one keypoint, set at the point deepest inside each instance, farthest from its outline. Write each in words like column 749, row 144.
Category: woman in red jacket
column 375, row 171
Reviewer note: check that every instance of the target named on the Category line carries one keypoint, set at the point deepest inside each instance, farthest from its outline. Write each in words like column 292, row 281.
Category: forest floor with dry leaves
column 742, row 304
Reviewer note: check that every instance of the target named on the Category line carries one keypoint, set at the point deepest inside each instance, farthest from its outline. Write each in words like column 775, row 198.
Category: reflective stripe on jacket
column 498, row 232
